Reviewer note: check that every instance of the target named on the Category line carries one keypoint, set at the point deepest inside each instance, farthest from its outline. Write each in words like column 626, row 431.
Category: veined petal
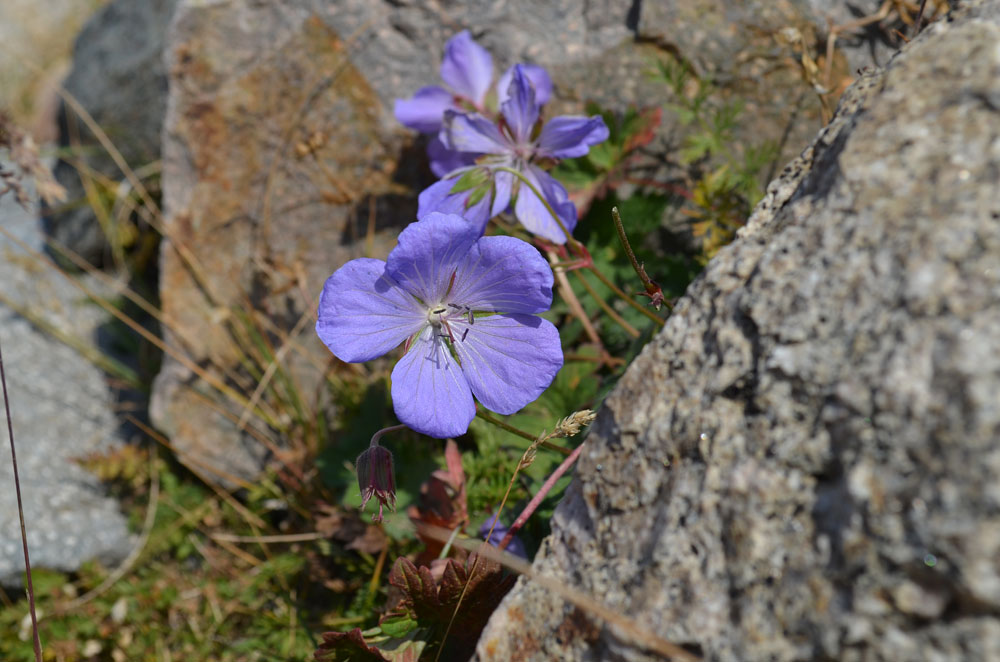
column 363, row 313
column 503, row 274
column 539, row 78
column 502, row 183
column 444, row 160
column 520, row 109
column 427, row 254
column 509, row 360
column 425, row 109
column 429, row 392
column 569, row 137
column 467, row 68
column 532, row 213
column 439, row 198
column 465, row 132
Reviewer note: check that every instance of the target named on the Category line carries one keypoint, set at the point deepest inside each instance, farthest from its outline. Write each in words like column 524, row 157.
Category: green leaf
column 470, row 179
column 398, row 625
column 477, row 195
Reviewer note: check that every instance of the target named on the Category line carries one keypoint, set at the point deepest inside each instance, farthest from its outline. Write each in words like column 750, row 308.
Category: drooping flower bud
column 376, row 478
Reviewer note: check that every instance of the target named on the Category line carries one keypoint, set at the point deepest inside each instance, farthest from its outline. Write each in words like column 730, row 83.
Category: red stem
column 540, row 496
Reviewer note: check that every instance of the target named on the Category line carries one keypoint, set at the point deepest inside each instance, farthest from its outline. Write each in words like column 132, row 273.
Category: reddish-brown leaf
column 347, row 647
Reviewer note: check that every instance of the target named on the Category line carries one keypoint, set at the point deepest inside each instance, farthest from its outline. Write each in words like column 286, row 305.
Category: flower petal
column 509, row 360
column 467, row 67
column 429, row 392
column 464, row 132
column 503, row 274
column 520, row 109
column 427, row 254
column 569, row 137
column 444, row 160
column 425, row 109
column 532, row 213
column 363, row 313
column 539, row 78
column 502, row 184
column 439, row 198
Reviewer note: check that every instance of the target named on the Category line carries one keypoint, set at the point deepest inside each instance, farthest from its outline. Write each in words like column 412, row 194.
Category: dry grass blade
column 624, row 628
column 210, row 379
column 272, row 367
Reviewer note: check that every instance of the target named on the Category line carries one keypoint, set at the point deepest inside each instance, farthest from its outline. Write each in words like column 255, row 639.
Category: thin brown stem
column 652, row 288
column 20, row 513
column 920, row 19
column 566, row 290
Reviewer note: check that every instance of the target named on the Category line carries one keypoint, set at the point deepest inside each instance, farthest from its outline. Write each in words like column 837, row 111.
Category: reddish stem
column 540, row 496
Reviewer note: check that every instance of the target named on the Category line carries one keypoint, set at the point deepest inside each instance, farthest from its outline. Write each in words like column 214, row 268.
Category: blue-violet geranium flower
column 513, row 142
column 467, row 71
column 464, row 307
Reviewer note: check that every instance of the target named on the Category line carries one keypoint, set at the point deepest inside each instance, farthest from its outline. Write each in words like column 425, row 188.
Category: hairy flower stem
column 652, row 288
column 540, row 496
column 581, row 249
column 20, row 514
column 493, row 420
column 384, row 431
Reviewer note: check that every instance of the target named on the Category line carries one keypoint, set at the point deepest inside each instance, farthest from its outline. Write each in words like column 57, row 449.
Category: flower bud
column 376, row 478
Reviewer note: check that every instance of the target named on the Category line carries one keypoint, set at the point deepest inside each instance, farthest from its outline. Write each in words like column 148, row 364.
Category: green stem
column 490, row 418
column 552, row 212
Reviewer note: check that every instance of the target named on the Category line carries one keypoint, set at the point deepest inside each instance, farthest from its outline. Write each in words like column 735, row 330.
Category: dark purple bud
column 376, row 478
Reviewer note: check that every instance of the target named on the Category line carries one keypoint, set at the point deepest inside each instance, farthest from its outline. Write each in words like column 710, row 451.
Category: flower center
column 444, row 316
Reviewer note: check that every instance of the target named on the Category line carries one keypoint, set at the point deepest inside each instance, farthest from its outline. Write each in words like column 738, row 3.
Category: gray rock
column 804, row 464
column 118, row 77
column 62, row 409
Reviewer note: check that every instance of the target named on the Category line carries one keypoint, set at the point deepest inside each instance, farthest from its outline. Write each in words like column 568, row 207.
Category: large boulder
column 804, row 464
column 280, row 145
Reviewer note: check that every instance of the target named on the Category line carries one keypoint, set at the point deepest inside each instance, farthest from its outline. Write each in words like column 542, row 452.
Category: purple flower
column 515, row 546
column 467, row 71
column 464, row 306
column 514, row 143
column 376, row 478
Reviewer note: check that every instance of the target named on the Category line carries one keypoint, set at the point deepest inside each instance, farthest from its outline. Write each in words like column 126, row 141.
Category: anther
column 439, row 311
column 465, row 333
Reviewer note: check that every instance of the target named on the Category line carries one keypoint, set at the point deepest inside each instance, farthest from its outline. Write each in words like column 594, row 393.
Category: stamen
column 447, row 327
column 465, row 333
column 455, row 306
column 451, row 283
column 472, row 318
column 439, row 311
